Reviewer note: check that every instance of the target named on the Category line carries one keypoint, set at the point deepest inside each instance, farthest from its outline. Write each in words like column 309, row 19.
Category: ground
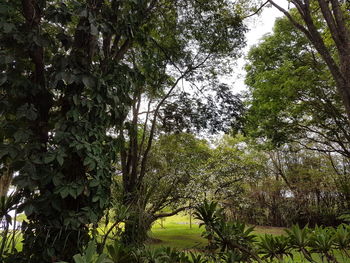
column 176, row 231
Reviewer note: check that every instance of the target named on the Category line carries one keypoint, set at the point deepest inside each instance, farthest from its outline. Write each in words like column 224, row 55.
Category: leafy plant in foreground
column 322, row 241
column 90, row 255
column 342, row 239
column 299, row 239
column 119, row 253
column 274, row 247
column 228, row 236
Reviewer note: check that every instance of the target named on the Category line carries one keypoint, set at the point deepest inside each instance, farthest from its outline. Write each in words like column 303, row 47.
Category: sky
column 258, row 27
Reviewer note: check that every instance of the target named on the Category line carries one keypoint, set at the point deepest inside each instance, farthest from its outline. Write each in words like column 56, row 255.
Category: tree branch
column 171, row 213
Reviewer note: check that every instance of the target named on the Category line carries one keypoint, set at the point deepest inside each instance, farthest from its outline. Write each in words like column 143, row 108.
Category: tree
column 219, row 110
column 173, row 180
column 291, row 96
column 294, row 107
column 232, row 165
column 332, row 44
column 64, row 85
column 70, row 72
column 195, row 37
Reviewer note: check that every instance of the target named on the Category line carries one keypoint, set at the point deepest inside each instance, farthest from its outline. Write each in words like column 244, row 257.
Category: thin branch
column 257, row 11
column 145, row 127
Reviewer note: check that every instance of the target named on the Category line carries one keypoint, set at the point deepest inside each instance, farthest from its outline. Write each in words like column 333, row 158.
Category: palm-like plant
column 322, row 241
column 274, row 247
column 342, row 239
column 232, row 257
column 299, row 239
column 209, row 213
column 196, row 258
column 228, row 236
column 155, row 256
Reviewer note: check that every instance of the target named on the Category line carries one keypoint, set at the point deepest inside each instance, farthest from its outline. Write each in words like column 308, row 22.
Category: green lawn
column 176, row 232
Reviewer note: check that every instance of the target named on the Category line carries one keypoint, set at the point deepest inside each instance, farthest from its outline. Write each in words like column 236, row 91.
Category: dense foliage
column 103, row 102
column 70, row 73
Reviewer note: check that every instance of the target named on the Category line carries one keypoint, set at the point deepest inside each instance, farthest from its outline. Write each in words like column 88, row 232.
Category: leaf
column 64, row 192
column 75, row 99
column 67, row 77
column 93, row 30
column 87, row 161
column 90, row 251
column 3, row 151
column 3, row 79
column 29, row 209
column 20, row 136
column 102, row 259
column 60, row 159
column 88, row 81
column 49, row 158
column 72, row 193
column 94, row 183
column 56, row 180
column 8, row 27
column 79, row 259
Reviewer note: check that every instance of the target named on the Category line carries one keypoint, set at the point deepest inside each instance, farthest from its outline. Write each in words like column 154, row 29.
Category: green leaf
column 87, row 161
column 93, row 30
column 3, row 151
column 20, row 136
column 72, row 193
column 79, row 259
column 3, row 79
column 56, row 180
column 88, row 81
column 60, row 159
column 6, row 59
column 102, row 259
column 94, row 183
column 8, row 27
column 29, row 209
column 49, row 158
column 64, row 192
column 67, row 77
column 90, row 251
column 75, row 99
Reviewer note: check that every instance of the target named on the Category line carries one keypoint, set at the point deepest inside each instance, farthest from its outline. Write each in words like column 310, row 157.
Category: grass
column 176, row 232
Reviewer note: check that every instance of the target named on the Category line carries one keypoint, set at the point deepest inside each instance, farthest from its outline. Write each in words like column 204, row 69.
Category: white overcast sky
column 258, row 27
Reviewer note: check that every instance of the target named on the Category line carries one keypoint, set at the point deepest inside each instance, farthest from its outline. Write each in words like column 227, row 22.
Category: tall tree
column 63, row 86
column 291, row 94
column 194, row 38
column 334, row 15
